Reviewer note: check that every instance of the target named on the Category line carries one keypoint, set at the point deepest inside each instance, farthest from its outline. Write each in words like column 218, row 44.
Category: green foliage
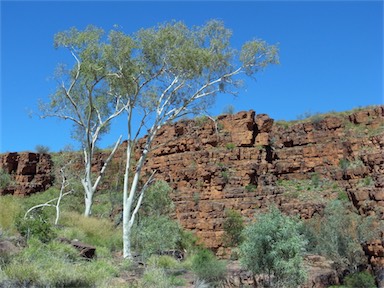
column 229, row 110
column 55, row 265
column 163, row 261
column 36, row 224
column 366, row 182
column 5, row 179
column 315, row 179
column 342, row 196
column 200, row 121
column 155, row 277
column 206, row 266
column 188, row 241
column 274, row 245
column 230, row 146
column 360, row 280
column 233, row 227
column 39, row 198
column 315, row 189
column 155, row 234
column 196, row 197
column 95, row 231
column 306, row 115
column 10, row 208
column 339, row 233
column 41, row 149
column 129, row 64
column 167, row 264
column 225, row 175
column 157, row 200
column 344, row 164
column 251, row 187
column 253, row 48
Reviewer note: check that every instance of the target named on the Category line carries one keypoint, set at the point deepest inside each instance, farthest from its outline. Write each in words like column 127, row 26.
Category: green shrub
column 201, row 120
column 157, row 201
column 360, row 280
column 274, row 245
column 36, row 224
column 40, row 198
column 196, row 198
column 42, row 149
column 225, row 176
column 152, row 235
column 339, row 233
column 207, row 267
column 5, row 179
column 233, row 227
column 342, row 196
column 229, row 110
column 56, row 265
column 315, row 180
column 155, row 277
column 187, row 241
column 94, row 231
column 366, row 182
column 230, row 146
column 10, row 208
column 163, row 261
column 344, row 164
column 251, row 187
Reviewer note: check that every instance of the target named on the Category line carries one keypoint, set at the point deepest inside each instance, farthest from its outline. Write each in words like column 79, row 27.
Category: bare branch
column 138, row 204
column 102, row 171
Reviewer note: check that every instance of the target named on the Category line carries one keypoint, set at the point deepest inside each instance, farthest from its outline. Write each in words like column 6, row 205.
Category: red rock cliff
column 240, row 162
column 30, row 172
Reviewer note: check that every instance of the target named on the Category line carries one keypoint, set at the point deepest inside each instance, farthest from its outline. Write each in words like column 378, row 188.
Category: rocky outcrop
column 242, row 162
column 28, row 173
column 248, row 161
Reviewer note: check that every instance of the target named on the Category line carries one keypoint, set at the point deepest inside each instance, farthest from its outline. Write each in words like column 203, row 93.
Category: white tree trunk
column 128, row 214
column 87, row 184
column 89, row 188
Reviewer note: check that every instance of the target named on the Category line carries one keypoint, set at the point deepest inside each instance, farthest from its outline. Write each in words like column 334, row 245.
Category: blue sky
column 331, row 56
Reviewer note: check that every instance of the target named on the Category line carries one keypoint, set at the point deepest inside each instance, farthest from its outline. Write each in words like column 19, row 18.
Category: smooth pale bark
column 90, row 188
column 164, row 114
column 129, row 195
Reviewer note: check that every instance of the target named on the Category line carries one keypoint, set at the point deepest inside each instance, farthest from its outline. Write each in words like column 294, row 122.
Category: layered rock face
column 248, row 161
column 29, row 173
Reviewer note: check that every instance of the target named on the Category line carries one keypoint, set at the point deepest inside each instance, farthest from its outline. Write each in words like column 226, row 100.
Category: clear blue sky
column 331, row 56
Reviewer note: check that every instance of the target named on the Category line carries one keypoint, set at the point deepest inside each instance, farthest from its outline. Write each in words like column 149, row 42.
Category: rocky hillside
column 247, row 161
column 29, row 173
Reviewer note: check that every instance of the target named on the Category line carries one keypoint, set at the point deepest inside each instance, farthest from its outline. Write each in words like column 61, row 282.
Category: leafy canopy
column 145, row 68
column 274, row 245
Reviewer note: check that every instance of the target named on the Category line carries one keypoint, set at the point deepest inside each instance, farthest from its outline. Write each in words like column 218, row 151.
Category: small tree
column 85, row 97
column 207, row 267
column 167, row 72
column 340, row 233
column 156, row 76
column 233, row 227
column 56, row 201
column 273, row 245
column 42, row 149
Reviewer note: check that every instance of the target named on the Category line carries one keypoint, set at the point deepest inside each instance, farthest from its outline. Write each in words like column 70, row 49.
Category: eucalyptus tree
column 155, row 76
column 85, row 97
column 273, row 245
column 166, row 72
